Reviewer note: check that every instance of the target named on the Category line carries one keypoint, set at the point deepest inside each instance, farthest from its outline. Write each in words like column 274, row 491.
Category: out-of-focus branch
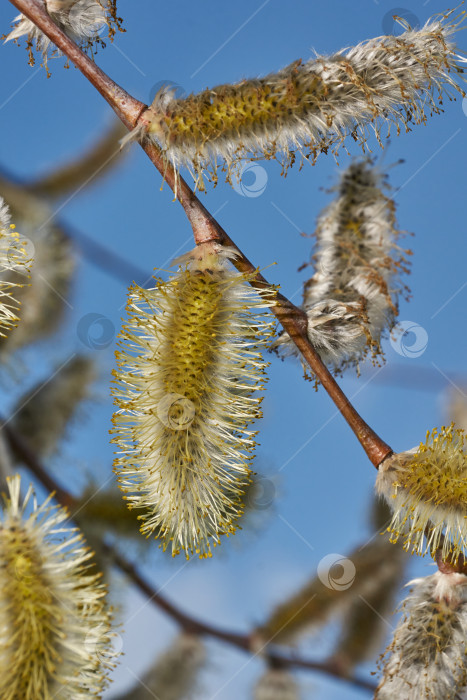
column 188, row 623
column 206, row 228
column 96, row 161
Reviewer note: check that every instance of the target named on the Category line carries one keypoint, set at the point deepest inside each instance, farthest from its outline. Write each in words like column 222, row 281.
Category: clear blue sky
column 322, row 477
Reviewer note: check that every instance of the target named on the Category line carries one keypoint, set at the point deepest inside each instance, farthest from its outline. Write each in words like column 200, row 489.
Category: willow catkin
column 15, row 265
column 428, row 655
column 352, row 299
column 335, row 588
column 55, row 636
column 174, row 674
column 364, row 624
column 309, row 107
column 187, row 390
column 81, row 20
column 43, row 414
column 426, row 488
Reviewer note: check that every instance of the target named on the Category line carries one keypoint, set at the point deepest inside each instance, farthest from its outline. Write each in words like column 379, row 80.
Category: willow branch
column 190, row 624
column 206, row 228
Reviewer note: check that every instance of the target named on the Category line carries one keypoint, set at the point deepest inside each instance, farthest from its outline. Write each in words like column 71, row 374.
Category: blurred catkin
column 310, row 107
column 364, row 624
column 55, row 636
column 174, row 674
column 276, row 684
column 456, row 408
column 100, row 511
column 85, row 169
column 190, row 371
column 43, row 414
column 45, row 300
column 331, row 592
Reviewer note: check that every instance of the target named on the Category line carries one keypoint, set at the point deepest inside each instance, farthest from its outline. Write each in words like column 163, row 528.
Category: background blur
column 317, row 480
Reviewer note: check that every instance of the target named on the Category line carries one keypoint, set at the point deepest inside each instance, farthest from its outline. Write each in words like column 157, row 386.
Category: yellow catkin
column 426, row 489
column 187, row 389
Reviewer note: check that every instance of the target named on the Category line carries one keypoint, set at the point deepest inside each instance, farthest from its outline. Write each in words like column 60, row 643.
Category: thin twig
column 190, row 624
column 205, row 227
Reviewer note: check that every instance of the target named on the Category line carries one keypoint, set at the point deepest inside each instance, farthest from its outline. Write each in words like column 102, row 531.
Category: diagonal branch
column 205, row 227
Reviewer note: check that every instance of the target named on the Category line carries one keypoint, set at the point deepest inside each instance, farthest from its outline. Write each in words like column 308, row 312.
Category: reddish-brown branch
column 187, row 622
column 206, row 228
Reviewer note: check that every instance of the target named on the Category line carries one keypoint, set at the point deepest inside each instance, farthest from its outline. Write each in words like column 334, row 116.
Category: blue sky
column 322, row 479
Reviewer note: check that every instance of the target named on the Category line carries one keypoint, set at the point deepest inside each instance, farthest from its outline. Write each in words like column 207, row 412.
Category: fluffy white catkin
column 189, row 375
column 309, row 107
column 428, row 655
column 351, row 300
column 82, row 20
